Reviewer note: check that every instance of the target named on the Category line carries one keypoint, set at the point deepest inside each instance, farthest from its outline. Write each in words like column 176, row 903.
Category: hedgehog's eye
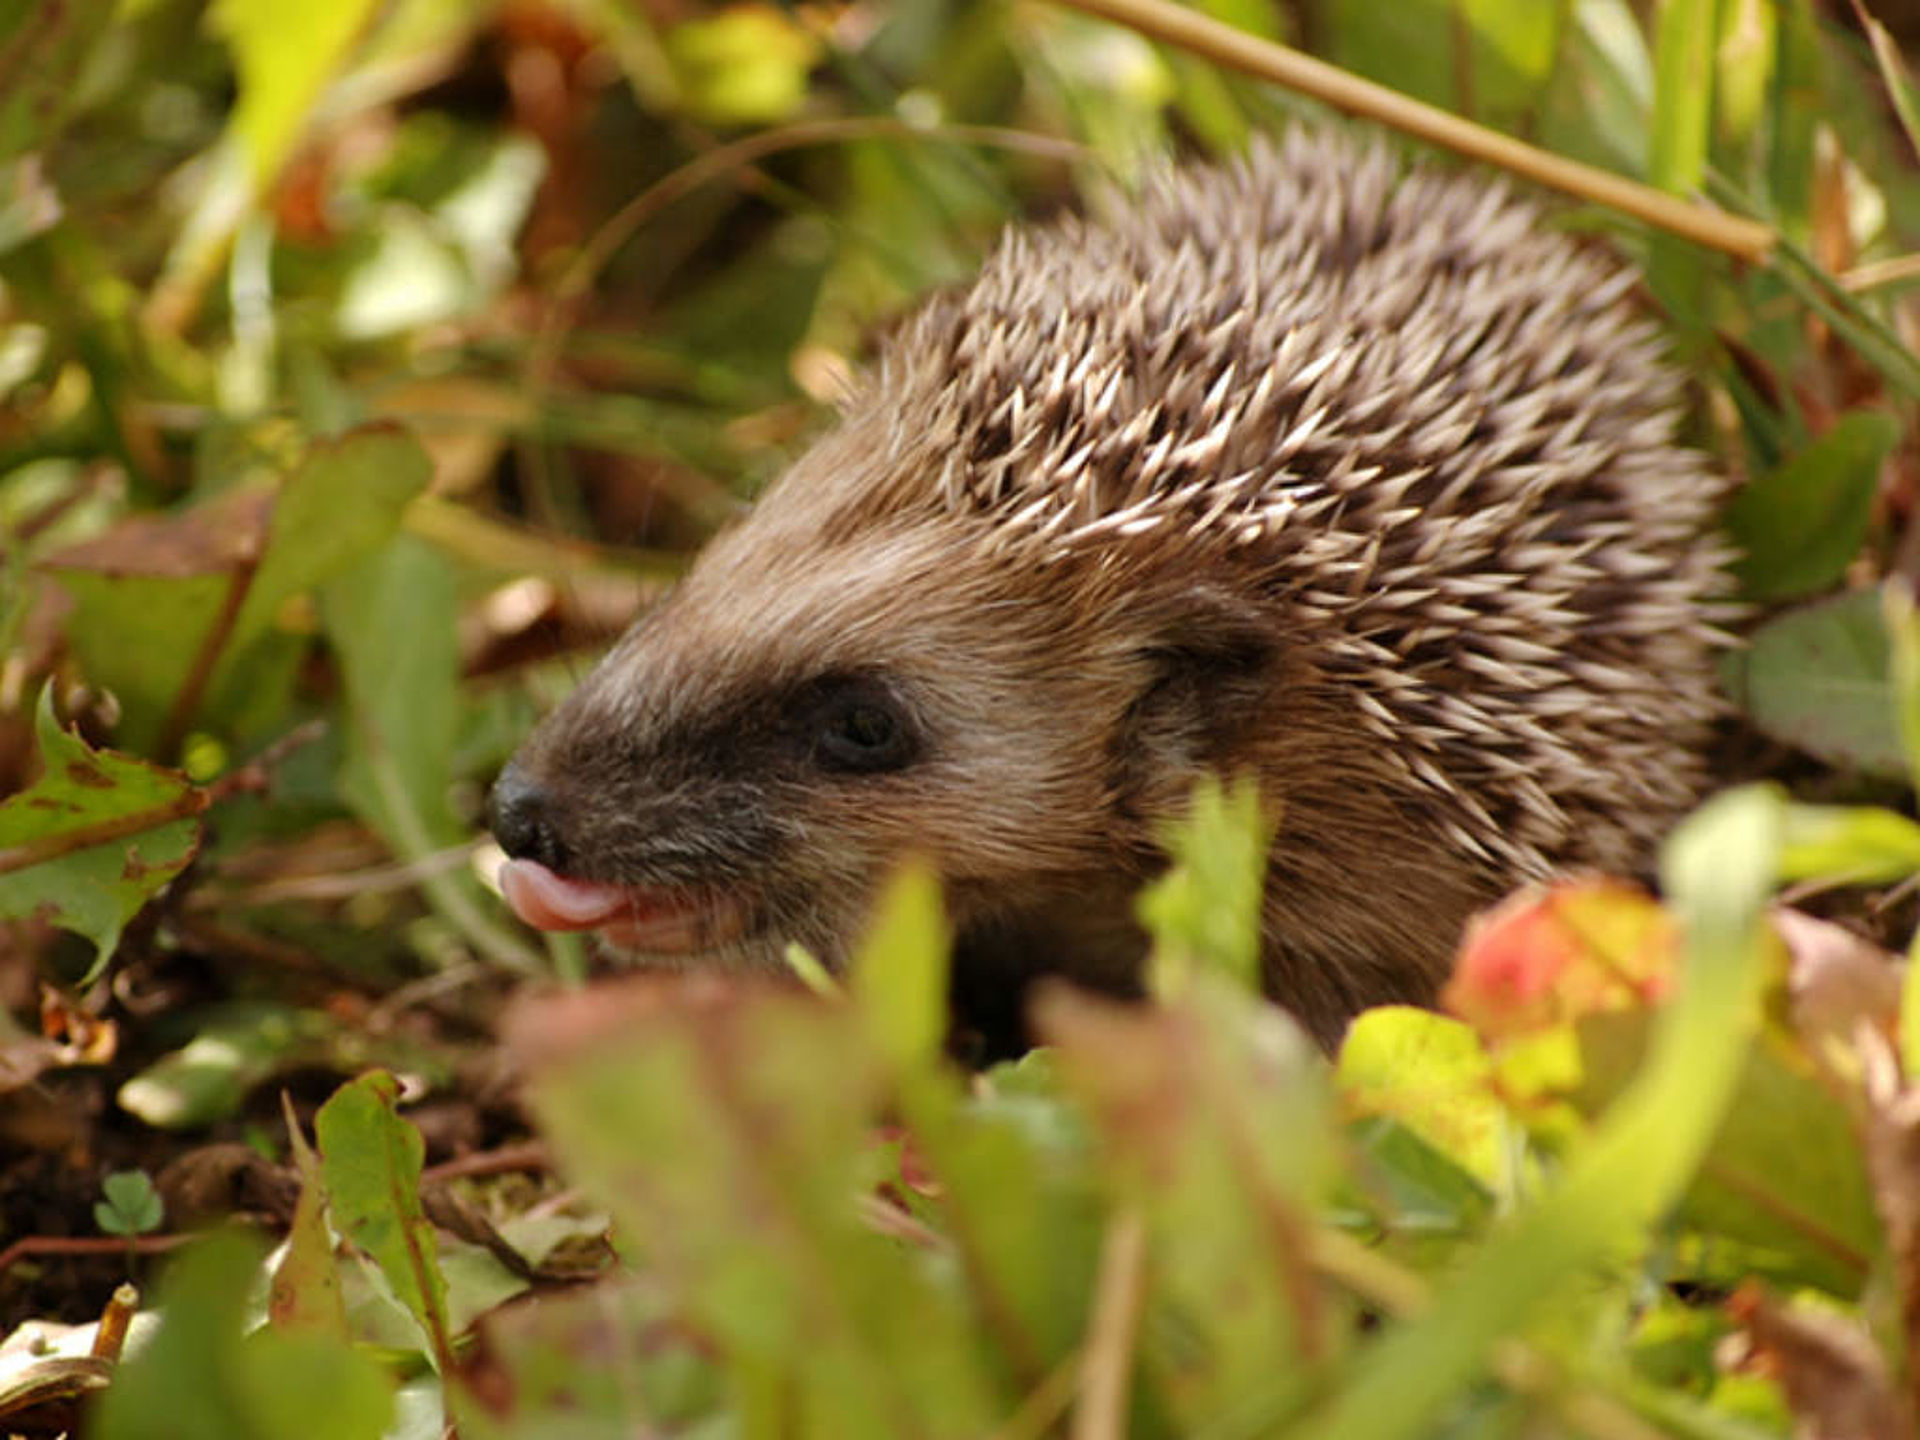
column 859, row 729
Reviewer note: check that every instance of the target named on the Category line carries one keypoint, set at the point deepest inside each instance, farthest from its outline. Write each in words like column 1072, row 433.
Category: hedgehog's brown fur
column 1361, row 481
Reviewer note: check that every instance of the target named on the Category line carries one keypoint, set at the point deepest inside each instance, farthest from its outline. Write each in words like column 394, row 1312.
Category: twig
column 186, row 704
column 1106, row 1365
column 253, row 776
column 543, row 353
column 89, row 1245
column 1877, row 274
column 527, row 1155
column 43, row 848
column 1224, row 45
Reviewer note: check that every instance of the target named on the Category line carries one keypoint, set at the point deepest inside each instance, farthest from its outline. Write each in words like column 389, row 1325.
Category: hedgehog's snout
column 524, row 817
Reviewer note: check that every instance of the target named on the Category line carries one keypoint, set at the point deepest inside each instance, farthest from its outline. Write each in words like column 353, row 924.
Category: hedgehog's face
column 752, row 760
column 754, row 757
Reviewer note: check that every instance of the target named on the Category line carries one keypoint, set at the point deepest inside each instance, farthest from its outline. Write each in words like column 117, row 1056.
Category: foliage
column 327, row 340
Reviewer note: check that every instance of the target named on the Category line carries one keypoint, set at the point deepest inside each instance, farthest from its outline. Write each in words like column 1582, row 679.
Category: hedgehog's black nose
column 521, row 813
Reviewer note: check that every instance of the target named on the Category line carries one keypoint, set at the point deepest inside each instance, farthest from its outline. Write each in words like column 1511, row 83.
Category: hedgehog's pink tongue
column 548, row 901
column 635, row 916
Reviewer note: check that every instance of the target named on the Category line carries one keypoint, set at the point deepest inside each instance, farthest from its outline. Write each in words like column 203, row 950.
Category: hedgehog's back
column 1437, row 429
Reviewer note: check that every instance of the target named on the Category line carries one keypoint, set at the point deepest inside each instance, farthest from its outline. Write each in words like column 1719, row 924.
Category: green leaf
column 393, row 620
column 1858, row 845
column 1784, row 1173
column 744, row 64
column 95, row 837
column 284, row 55
column 728, row 1132
column 1894, row 74
column 371, row 1158
column 900, row 974
column 1816, row 678
column 1718, row 868
column 197, row 1377
column 131, row 1207
column 342, row 504
column 1902, row 620
column 150, row 593
column 1431, row 1074
column 1409, row 45
column 1744, row 61
column 234, row 1049
column 1801, row 524
column 1682, row 94
column 1513, row 45
column 1206, row 909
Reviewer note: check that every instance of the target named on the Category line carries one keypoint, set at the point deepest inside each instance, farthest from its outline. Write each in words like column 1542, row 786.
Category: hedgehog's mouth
column 649, row 919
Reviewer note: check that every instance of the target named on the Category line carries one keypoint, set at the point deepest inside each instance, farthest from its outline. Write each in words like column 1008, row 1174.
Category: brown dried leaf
column 1836, row 982
column 219, row 536
column 1836, row 1380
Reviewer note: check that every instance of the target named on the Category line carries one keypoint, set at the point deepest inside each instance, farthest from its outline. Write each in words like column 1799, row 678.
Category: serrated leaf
column 371, row 1159
column 1817, row 678
column 1802, row 523
column 96, row 837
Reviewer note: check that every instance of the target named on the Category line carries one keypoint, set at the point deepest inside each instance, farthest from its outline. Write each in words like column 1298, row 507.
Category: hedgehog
column 1355, row 478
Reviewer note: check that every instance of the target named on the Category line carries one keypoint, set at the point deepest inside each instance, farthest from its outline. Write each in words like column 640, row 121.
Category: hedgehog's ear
column 1209, row 666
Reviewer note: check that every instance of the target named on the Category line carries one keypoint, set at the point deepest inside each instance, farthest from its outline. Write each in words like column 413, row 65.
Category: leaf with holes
column 95, row 838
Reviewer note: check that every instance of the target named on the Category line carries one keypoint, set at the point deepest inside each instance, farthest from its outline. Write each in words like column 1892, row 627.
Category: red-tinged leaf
column 305, row 1292
column 1546, row 957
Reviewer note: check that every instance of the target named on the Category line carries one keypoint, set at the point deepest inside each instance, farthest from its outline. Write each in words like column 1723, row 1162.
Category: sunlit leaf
column 370, row 1158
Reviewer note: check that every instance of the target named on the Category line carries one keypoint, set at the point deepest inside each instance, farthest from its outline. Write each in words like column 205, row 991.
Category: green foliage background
column 362, row 368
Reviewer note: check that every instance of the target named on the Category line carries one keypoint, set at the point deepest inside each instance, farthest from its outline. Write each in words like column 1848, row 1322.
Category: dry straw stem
column 1106, row 1364
column 1734, row 235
